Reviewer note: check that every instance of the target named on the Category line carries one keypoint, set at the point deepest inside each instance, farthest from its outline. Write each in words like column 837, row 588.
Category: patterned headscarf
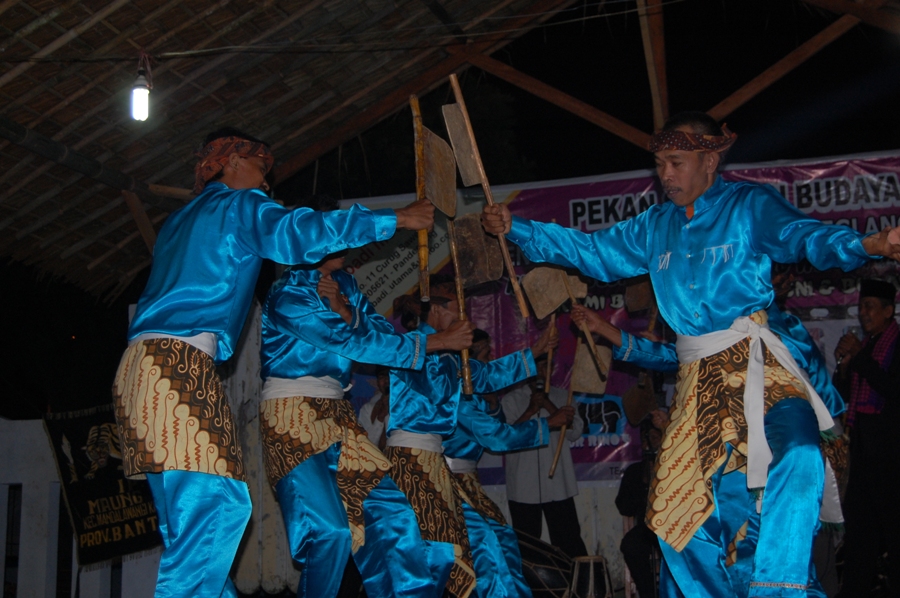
column 215, row 154
column 691, row 142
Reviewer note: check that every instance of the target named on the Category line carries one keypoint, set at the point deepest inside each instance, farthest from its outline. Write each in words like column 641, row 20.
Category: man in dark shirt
column 868, row 376
column 639, row 543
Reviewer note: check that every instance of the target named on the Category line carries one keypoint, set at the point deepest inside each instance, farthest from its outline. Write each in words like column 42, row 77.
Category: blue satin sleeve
column 787, row 235
column 645, row 353
column 496, row 375
column 305, row 236
column 425, row 401
column 302, row 336
column 475, row 427
column 607, row 255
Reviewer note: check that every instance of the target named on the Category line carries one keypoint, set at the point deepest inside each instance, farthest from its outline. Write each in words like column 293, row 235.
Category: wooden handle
column 461, row 301
column 601, row 366
column 419, row 130
column 562, row 437
column 489, row 196
column 549, row 359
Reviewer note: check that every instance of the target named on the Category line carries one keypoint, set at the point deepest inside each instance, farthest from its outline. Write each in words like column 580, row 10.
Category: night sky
column 62, row 346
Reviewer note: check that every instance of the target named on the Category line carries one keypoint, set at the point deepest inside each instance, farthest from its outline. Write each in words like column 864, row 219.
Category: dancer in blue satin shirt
column 332, row 482
column 745, row 420
column 425, row 406
column 495, row 548
column 174, row 421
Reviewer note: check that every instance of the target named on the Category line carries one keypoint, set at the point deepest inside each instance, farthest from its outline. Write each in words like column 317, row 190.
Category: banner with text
column 111, row 516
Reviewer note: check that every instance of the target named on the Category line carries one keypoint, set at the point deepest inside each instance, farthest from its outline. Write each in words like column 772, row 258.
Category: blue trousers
column 775, row 557
column 201, row 518
column 495, row 552
column 394, row 561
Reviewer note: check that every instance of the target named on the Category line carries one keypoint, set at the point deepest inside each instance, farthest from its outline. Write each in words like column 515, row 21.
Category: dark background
column 61, row 346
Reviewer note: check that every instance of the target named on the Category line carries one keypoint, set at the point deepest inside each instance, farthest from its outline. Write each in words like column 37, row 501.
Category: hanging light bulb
column 140, row 97
column 140, row 91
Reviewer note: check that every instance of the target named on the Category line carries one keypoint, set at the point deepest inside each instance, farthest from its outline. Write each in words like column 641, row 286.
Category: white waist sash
column 325, row 387
column 461, row 465
column 693, row 348
column 205, row 341
column 425, row 442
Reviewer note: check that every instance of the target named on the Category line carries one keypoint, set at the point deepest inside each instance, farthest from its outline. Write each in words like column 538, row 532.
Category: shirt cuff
column 543, row 432
column 385, row 224
column 530, row 366
column 521, row 230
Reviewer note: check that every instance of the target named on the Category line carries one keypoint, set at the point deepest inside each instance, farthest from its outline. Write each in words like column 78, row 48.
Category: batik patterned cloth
column 707, row 415
column 172, row 412
column 476, row 497
column 692, row 142
column 435, row 495
column 296, row 428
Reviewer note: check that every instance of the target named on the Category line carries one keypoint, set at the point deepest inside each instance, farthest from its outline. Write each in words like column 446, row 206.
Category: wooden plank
column 140, row 217
column 173, row 192
column 398, row 98
column 867, row 13
column 650, row 14
column 782, row 67
column 563, row 100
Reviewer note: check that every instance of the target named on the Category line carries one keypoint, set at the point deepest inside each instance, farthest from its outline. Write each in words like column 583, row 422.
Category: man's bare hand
column 660, row 419
column 562, row 417
column 596, row 323
column 496, row 219
column 886, row 243
column 329, row 289
column 547, row 341
column 416, row 216
column 456, row 337
column 847, row 348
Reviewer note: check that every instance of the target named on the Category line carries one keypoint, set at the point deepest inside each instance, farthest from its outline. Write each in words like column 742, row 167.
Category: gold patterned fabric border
column 707, row 414
column 296, row 428
column 476, row 497
column 172, row 412
column 433, row 492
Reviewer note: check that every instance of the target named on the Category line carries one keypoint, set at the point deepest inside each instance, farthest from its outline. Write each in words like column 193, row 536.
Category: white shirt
column 373, row 429
column 526, row 471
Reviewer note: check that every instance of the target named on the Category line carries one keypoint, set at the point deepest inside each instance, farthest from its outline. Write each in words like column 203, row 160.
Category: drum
column 591, row 578
column 547, row 569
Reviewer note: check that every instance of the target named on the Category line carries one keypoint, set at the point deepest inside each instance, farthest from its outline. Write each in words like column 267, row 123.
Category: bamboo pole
column 461, row 301
column 419, row 131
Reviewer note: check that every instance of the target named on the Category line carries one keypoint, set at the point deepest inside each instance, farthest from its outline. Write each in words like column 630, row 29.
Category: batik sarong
column 435, row 496
column 476, row 497
column 172, row 412
column 296, row 428
column 707, row 416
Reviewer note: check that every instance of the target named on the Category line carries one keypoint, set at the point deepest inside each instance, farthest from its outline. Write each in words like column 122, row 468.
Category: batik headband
column 215, row 154
column 691, row 142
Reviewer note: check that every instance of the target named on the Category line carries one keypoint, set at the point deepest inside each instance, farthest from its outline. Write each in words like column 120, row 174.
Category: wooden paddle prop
column 435, row 182
column 461, row 302
column 471, row 168
column 419, row 129
column 562, row 436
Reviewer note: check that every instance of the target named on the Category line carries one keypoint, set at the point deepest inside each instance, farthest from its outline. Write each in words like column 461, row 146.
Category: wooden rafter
column 397, row 99
column 785, row 65
column 136, row 207
column 867, row 13
column 563, row 100
column 653, row 35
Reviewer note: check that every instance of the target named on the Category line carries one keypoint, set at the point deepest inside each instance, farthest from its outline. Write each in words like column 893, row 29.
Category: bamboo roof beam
column 561, row 99
column 6, row 5
column 781, row 68
column 397, row 99
column 38, row 22
column 653, row 35
column 868, row 14
column 63, row 39
column 136, row 207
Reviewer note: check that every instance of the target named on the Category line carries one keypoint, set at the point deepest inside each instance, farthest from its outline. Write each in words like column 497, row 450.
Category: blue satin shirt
column 662, row 357
column 710, row 269
column 208, row 254
column 476, row 431
column 427, row 401
column 302, row 336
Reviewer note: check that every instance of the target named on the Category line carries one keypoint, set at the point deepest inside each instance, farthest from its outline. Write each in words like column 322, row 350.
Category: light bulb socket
column 141, row 82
